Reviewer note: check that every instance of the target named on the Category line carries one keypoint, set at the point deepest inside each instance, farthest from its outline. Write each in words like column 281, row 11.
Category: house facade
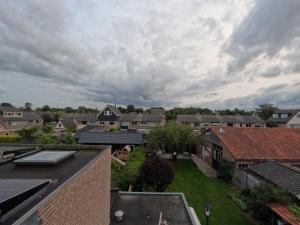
column 13, row 119
column 199, row 122
column 289, row 118
column 245, row 147
column 109, row 116
column 141, row 121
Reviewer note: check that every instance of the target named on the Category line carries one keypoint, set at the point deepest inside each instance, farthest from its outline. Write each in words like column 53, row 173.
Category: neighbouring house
column 199, row 122
column 272, row 172
column 109, row 116
column 289, row 118
column 151, row 208
column 57, row 186
column 245, row 147
column 82, row 119
column 141, row 121
column 65, row 124
column 13, row 119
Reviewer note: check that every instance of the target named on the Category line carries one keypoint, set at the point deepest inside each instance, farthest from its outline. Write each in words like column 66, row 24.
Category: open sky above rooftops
column 209, row 53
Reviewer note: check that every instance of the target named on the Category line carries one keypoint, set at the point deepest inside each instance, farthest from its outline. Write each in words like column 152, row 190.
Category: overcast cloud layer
column 212, row 53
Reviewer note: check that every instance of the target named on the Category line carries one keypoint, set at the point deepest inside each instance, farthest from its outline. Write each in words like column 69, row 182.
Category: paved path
column 206, row 169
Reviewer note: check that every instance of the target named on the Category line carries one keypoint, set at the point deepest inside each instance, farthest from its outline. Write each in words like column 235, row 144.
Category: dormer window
column 107, row 113
column 275, row 115
column 284, row 115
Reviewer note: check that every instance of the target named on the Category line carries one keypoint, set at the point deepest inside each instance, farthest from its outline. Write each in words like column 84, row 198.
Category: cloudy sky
column 212, row 53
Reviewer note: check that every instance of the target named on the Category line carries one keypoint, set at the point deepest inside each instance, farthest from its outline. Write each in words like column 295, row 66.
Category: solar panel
column 45, row 157
column 11, row 188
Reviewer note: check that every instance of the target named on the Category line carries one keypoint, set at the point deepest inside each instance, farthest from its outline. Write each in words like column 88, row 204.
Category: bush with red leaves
column 156, row 173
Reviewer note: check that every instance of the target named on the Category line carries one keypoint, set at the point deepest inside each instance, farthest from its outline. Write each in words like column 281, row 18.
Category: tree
column 45, row 138
column 6, row 104
column 173, row 137
column 46, row 108
column 28, row 106
column 130, row 108
column 156, row 173
column 69, row 139
column 69, row 110
column 265, row 111
column 260, row 198
column 47, row 118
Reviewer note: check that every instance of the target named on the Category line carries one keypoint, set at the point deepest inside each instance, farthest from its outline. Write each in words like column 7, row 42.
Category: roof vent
column 119, row 215
column 222, row 130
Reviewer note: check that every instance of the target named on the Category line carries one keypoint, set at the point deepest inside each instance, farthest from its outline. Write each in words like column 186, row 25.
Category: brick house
column 249, row 146
column 109, row 116
column 289, row 118
column 13, row 119
column 57, row 186
column 199, row 122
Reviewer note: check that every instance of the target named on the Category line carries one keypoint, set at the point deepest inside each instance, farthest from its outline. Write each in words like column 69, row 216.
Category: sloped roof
column 284, row 212
column 9, row 109
column 280, row 175
column 260, row 143
column 69, row 123
column 111, row 138
column 27, row 116
column 90, row 128
column 145, row 117
column 292, row 113
column 90, row 117
column 219, row 119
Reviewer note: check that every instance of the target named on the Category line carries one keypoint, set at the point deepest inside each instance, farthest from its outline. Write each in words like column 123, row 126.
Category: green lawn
column 199, row 189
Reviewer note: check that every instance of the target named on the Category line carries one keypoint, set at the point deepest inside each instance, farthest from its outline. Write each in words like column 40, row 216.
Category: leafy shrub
column 241, row 204
column 156, row 173
column 69, row 138
column 225, row 171
column 261, row 197
column 27, row 133
column 45, row 138
column 9, row 139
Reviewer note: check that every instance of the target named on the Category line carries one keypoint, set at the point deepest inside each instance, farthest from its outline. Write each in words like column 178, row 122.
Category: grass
column 199, row 190
column 122, row 176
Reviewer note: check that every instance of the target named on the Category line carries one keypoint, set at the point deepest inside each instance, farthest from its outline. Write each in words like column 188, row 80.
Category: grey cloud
column 273, row 71
column 270, row 26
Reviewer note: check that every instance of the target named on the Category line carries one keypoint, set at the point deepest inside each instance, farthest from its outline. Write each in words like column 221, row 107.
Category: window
column 111, row 123
column 243, row 166
column 107, row 113
column 248, row 124
column 59, row 125
column 19, row 114
column 9, row 123
column 102, row 123
column 230, row 124
column 84, row 122
column 134, row 123
column 275, row 115
column 143, row 123
column 291, row 125
column 196, row 124
column 284, row 115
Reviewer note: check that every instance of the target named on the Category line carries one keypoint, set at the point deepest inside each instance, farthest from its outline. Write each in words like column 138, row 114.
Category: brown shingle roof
column 261, row 143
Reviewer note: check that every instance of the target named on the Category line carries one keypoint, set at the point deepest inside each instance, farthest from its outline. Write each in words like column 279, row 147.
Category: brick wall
column 85, row 200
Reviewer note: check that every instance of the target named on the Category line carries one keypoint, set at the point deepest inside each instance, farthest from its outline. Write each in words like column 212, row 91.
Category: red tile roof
column 285, row 214
column 281, row 144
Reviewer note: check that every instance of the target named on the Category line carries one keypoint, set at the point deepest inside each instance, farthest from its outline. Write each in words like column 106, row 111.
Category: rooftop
column 280, row 175
column 285, row 214
column 291, row 113
column 111, row 138
column 144, row 117
column 145, row 208
column 281, row 144
column 220, row 119
column 55, row 175
column 90, row 129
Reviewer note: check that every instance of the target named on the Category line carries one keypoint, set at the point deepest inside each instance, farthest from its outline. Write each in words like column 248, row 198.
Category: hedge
column 9, row 139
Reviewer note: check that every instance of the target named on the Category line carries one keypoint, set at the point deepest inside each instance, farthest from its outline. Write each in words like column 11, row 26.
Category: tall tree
column 265, row 111
column 46, row 108
column 130, row 108
column 28, row 106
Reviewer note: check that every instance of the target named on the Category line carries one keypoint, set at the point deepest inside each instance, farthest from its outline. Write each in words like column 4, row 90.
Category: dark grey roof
column 219, row 119
column 291, row 112
column 111, row 138
column 91, row 129
column 280, row 175
column 58, row 173
column 89, row 117
column 9, row 109
column 145, row 208
column 211, row 137
column 69, row 123
column 145, row 117
column 114, row 109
